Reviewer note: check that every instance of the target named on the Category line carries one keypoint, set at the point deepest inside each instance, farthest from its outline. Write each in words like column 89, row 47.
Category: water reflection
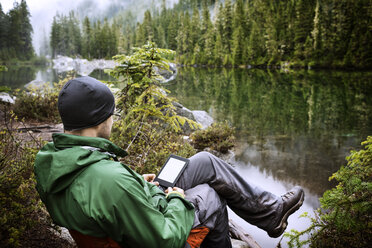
column 253, row 175
column 18, row 76
column 293, row 128
column 297, row 126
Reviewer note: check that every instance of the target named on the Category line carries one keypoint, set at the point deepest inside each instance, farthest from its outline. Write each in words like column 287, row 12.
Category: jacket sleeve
column 132, row 220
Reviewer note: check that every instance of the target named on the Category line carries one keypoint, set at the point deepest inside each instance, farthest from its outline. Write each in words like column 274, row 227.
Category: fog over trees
column 324, row 33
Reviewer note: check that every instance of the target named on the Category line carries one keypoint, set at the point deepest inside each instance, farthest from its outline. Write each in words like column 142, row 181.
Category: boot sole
column 283, row 224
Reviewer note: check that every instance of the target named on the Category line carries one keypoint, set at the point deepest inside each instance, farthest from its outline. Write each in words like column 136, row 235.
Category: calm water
column 292, row 128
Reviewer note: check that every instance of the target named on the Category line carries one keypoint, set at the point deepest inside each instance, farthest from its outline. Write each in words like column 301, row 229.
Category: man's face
column 104, row 129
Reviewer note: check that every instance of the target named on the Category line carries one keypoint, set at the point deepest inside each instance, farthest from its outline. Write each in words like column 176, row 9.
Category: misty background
column 43, row 11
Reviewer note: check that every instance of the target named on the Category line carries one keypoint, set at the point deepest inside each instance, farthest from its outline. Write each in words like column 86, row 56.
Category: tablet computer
column 171, row 171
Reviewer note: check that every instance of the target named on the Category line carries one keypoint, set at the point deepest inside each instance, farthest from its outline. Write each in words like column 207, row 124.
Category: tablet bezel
column 166, row 183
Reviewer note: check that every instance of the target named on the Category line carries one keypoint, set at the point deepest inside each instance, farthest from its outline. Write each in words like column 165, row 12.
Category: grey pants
column 210, row 183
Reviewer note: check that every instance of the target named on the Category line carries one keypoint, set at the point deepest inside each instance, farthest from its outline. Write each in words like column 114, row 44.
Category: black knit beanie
column 85, row 102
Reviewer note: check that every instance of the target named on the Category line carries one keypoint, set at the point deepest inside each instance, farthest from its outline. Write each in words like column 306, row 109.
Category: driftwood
column 239, row 233
column 41, row 128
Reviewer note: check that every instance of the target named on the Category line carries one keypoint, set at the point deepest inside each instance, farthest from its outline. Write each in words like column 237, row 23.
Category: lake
column 292, row 127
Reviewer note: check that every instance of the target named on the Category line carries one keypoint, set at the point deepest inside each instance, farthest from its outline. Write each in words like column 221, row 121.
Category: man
column 86, row 189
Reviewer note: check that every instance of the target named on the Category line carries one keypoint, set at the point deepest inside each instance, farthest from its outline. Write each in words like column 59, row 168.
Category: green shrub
column 149, row 128
column 219, row 137
column 345, row 216
column 20, row 206
column 39, row 104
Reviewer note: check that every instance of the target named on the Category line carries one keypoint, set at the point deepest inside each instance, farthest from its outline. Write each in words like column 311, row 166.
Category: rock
column 203, row 118
column 200, row 116
column 36, row 84
column 82, row 66
column 167, row 75
column 182, row 111
column 239, row 244
column 63, row 63
column 5, row 97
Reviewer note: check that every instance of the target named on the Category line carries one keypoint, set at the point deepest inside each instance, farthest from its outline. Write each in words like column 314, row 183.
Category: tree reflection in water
column 292, row 127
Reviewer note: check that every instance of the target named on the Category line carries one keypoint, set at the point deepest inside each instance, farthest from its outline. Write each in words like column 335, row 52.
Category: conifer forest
column 301, row 33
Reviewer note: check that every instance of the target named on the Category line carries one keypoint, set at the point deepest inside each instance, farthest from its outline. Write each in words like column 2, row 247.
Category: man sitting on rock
column 104, row 203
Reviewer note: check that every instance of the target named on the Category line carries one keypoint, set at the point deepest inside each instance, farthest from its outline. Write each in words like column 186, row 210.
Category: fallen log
column 239, row 233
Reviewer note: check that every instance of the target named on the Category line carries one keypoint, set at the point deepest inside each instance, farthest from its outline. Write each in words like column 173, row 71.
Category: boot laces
column 288, row 195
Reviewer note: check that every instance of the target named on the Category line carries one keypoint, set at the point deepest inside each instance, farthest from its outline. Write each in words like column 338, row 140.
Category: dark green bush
column 20, row 206
column 219, row 137
column 345, row 216
column 39, row 104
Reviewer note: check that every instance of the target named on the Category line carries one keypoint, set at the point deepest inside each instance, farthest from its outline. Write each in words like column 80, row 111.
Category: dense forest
column 15, row 33
column 328, row 33
column 323, row 33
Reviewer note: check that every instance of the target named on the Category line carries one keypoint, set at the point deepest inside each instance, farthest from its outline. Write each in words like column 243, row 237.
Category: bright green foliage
column 345, row 217
column 149, row 125
column 219, row 137
column 20, row 206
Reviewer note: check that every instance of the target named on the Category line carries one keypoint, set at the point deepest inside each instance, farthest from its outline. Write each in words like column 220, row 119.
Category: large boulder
column 203, row 118
column 199, row 116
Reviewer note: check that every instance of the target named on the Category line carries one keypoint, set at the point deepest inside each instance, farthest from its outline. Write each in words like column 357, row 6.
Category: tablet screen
column 171, row 170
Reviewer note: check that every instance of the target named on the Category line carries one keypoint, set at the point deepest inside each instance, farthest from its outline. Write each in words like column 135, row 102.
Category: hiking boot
column 292, row 201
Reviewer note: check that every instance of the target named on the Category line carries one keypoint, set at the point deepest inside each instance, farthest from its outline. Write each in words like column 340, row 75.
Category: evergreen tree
column 86, row 38
column 14, row 41
column 172, row 32
column 238, row 46
column 55, row 36
column 303, row 25
column 3, row 34
column 227, row 24
column 26, row 49
column 195, row 28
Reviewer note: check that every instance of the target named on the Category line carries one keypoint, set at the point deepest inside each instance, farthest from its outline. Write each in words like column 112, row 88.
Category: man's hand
column 176, row 189
column 150, row 178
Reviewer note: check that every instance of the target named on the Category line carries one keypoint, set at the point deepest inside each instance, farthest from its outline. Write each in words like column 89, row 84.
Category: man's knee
column 201, row 158
column 209, row 207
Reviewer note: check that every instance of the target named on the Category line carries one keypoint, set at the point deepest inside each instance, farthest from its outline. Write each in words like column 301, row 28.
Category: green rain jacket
column 85, row 190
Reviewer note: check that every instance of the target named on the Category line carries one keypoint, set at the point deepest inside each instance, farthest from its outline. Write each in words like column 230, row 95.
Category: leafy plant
column 219, row 137
column 3, row 68
column 39, row 104
column 20, row 206
column 149, row 127
column 345, row 216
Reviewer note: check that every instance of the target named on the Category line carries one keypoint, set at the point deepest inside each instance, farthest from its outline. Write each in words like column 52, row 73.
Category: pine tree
column 55, row 36
column 86, row 38
column 195, row 28
column 147, row 27
column 238, row 46
column 14, row 41
column 172, row 32
column 227, row 23
column 26, row 49
column 303, row 25
column 3, row 34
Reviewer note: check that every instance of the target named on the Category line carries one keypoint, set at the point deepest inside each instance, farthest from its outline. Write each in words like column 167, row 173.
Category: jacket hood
column 60, row 162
